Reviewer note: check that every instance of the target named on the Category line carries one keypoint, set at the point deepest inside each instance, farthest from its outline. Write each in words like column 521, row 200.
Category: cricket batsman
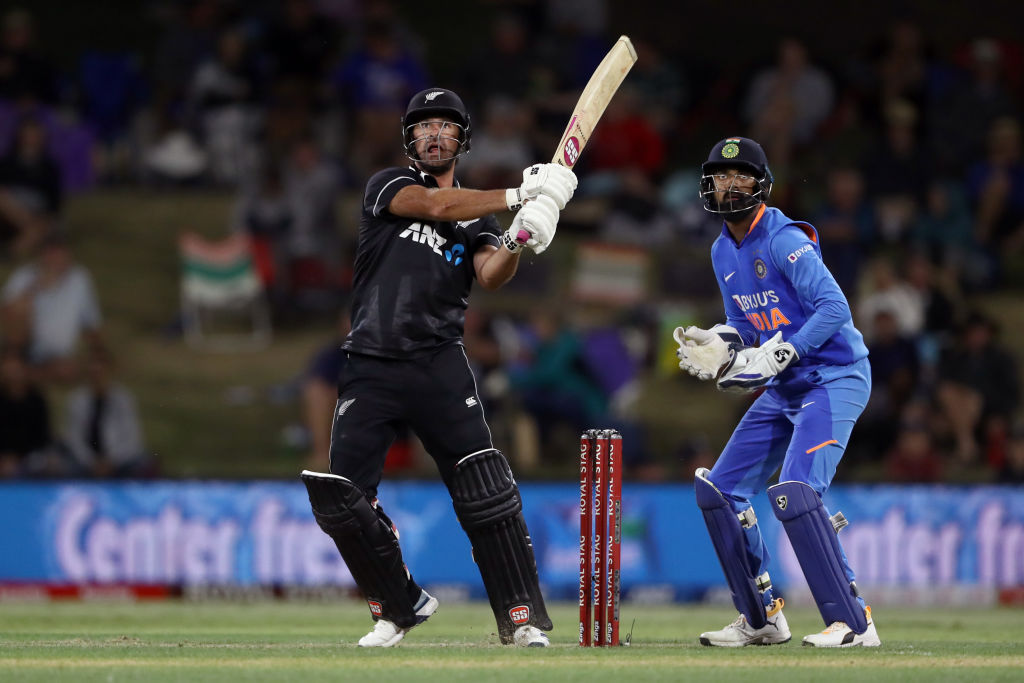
column 424, row 240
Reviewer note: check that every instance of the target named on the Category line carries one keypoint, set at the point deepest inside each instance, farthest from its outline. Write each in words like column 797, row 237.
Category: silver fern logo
column 342, row 407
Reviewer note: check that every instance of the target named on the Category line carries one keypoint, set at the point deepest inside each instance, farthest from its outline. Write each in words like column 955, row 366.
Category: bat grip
column 523, row 236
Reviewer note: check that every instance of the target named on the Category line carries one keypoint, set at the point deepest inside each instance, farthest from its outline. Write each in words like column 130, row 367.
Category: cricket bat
column 599, row 91
column 595, row 98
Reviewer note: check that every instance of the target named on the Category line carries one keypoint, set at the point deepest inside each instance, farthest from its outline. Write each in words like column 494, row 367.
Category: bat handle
column 523, row 236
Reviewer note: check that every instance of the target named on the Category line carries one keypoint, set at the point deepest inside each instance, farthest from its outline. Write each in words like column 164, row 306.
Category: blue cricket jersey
column 775, row 280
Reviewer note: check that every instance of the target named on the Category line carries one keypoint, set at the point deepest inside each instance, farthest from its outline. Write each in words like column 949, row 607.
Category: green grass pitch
column 288, row 641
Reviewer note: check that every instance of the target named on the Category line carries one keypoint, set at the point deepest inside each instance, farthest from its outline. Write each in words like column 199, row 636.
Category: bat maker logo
column 571, row 151
column 782, row 355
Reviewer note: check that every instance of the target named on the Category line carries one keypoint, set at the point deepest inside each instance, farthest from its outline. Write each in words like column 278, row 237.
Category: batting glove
column 702, row 353
column 534, row 226
column 752, row 368
column 551, row 180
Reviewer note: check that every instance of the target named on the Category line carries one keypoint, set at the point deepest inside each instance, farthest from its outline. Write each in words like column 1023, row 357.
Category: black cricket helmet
column 744, row 155
column 435, row 102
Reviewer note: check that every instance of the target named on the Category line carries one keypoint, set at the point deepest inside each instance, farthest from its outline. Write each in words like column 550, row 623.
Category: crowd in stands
column 906, row 155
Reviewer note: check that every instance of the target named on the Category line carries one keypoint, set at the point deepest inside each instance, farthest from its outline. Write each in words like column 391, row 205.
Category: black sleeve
column 485, row 231
column 383, row 187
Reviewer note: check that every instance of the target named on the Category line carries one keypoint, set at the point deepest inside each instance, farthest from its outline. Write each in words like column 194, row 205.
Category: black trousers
column 435, row 396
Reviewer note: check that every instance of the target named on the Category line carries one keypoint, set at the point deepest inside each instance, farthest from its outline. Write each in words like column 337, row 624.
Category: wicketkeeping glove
column 753, row 367
column 702, row 353
column 552, row 180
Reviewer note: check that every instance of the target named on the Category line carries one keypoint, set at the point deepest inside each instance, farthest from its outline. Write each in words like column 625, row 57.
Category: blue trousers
column 802, row 426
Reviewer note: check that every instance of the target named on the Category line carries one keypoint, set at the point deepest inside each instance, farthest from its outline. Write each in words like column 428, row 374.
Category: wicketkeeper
column 423, row 240
column 787, row 331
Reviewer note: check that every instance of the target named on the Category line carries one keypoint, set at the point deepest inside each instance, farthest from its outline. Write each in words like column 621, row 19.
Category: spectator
column 374, row 84
column 300, row 44
column 788, row 101
column 102, row 431
column 501, row 145
column 626, row 144
column 945, row 229
column 571, row 381
column 913, row 458
column 555, row 387
column 898, row 171
column 505, row 66
column 25, row 436
column 885, row 290
column 941, row 298
column 895, row 374
column 995, row 186
column 627, row 164
column 26, row 76
column 47, row 306
column 694, row 227
column 981, row 95
column 188, row 40
column 113, row 87
column 900, row 70
column 30, row 189
column 289, row 213
column 979, row 388
column 846, row 224
column 574, row 34
column 224, row 98
column 264, row 212
column 661, row 86
column 313, row 242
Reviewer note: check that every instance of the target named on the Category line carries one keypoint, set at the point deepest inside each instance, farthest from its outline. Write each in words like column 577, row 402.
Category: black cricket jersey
column 412, row 276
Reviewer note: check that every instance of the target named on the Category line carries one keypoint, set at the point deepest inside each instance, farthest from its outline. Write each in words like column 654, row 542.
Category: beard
column 434, row 166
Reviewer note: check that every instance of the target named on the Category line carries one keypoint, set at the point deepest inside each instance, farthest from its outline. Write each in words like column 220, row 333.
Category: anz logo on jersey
column 424, row 234
column 762, row 320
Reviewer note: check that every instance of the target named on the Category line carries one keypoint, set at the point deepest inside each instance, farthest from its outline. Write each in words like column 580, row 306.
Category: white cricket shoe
column 386, row 633
column 838, row 634
column 530, row 636
column 740, row 633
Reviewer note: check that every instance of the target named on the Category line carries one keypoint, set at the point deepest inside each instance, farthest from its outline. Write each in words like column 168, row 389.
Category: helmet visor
column 729, row 191
column 434, row 139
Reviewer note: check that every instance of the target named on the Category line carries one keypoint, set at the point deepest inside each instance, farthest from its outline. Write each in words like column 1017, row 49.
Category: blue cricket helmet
column 741, row 154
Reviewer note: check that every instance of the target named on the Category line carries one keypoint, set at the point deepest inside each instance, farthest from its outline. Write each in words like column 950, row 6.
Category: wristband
column 513, row 199
column 511, row 243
